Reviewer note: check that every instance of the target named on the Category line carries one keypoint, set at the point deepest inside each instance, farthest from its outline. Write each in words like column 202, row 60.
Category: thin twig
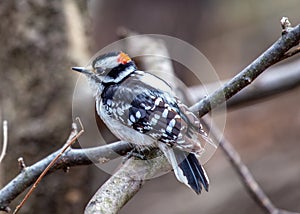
column 5, row 140
column 247, row 178
column 291, row 53
column 72, row 157
column 72, row 138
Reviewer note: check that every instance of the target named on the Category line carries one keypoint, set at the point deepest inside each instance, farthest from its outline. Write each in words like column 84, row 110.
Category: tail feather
column 192, row 170
column 187, row 168
column 201, row 174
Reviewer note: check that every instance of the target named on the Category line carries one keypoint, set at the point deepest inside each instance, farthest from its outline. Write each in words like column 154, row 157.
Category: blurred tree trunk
column 35, row 97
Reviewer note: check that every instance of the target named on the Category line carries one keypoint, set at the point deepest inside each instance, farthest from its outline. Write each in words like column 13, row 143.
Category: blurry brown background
column 36, row 87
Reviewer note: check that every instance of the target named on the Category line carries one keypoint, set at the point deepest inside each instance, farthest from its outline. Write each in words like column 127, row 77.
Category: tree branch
column 276, row 81
column 72, row 157
column 271, row 84
column 274, row 54
column 291, row 53
column 125, row 183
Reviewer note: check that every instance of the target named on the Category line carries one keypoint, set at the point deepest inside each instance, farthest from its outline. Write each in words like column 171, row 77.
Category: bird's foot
column 136, row 153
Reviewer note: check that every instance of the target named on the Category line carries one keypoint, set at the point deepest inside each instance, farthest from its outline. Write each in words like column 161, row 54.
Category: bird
column 141, row 108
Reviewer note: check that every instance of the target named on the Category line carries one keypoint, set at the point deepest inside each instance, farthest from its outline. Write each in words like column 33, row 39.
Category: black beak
column 79, row 69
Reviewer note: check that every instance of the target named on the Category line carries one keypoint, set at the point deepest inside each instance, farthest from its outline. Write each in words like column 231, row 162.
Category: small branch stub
column 74, row 135
column 22, row 165
column 285, row 24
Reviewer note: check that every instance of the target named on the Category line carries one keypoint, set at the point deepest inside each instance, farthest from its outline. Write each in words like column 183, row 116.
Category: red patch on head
column 123, row 58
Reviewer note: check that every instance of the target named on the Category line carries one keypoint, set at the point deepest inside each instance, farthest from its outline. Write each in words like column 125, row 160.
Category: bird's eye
column 100, row 70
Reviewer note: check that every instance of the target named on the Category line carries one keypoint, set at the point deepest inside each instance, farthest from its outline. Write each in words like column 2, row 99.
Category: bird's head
column 108, row 68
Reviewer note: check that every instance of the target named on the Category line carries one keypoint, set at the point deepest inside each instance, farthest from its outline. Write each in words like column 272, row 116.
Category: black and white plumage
column 141, row 108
